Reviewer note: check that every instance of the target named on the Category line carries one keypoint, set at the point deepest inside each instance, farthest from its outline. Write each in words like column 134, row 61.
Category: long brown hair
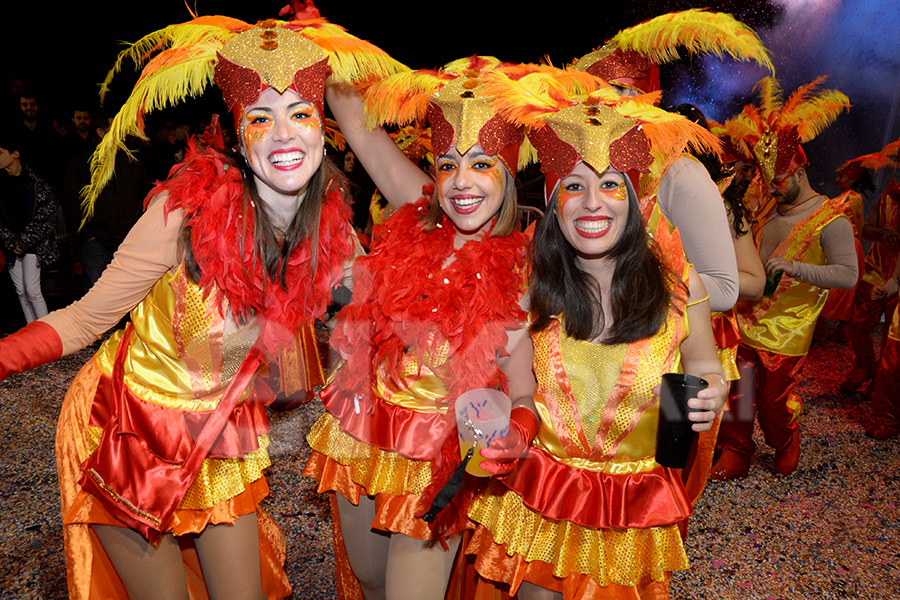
column 640, row 294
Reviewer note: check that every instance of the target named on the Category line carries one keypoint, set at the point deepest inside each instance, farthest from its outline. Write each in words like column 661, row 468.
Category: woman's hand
column 710, row 401
column 503, row 453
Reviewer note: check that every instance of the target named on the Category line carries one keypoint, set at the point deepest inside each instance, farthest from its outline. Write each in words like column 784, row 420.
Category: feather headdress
column 852, row 170
column 599, row 127
column 774, row 130
column 183, row 60
column 632, row 57
column 455, row 104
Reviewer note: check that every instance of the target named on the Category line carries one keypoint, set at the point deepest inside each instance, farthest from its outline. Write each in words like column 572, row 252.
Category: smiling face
column 281, row 139
column 471, row 188
column 592, row 210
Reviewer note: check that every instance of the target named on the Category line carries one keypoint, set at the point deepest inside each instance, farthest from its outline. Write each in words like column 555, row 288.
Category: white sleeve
column 691, row 201
column 148, row 252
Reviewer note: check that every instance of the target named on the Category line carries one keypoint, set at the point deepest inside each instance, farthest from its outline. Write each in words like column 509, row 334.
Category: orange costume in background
column 885, row 411
column 776, row 332
column 878, row 267
column 839, row 306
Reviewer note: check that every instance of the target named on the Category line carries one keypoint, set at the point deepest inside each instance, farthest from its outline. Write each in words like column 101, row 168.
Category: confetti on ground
column 831, row 530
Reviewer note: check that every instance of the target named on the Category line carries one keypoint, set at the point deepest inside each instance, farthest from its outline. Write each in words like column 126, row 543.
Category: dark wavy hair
column 641, row 292
column 270, row 246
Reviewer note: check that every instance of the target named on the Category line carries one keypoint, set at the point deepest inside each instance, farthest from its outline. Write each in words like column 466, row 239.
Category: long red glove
column 33, row 345
column 503, row 454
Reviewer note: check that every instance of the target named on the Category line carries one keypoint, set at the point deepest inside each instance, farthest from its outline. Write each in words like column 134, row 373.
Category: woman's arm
column 691, row 201
column 699, row 357
column 751, row 273
column 396, row 177
column 148, row 252
column 524, row 422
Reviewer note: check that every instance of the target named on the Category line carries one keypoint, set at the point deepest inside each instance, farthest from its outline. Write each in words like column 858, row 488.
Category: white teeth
column 286, row 158
column 464, row 202
column 592, row 226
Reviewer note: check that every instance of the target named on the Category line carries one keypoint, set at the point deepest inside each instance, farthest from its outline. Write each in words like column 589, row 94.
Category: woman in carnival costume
column 436, row 312
column 677, row 187
column 588, row 512
column 162, row 437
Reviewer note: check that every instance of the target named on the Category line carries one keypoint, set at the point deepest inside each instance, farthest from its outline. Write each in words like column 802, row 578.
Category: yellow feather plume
column 695, row 30
column 179, row 62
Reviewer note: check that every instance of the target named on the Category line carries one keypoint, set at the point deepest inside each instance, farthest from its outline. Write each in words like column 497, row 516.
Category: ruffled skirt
column 224, row 490
column 513, row 543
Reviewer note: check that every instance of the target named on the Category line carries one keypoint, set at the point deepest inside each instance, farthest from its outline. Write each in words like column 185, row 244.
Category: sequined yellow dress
column 589, row 512
column 178, row 355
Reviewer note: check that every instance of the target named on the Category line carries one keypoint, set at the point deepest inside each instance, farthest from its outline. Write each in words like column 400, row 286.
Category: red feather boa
column 405, row 300
column 209, row 190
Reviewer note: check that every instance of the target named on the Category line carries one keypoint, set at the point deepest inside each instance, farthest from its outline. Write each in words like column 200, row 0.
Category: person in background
column 27, row 226
column 806, row 244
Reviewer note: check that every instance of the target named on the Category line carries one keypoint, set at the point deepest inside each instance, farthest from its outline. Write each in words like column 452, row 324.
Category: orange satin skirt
column 90, row 574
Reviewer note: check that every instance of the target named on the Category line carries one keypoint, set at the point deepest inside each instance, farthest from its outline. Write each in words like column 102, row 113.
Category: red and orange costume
column 200, row 329
column 777, row 329
column 879, row 265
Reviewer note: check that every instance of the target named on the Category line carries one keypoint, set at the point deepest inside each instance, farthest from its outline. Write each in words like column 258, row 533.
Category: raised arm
column 396, row 177
column 691, row 201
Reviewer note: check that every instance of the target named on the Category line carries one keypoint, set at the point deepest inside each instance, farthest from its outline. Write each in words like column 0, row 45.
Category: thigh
column 15, row 273
column 367, row 548
column 419, row 569
column 147, row 572
column 31, row 272
column 229, row 557
column 529, row 591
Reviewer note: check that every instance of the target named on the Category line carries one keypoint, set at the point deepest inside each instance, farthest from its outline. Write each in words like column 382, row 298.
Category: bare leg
column 229, row 556
column 148, row 573
column 419, row 569
column 367, row 548
column 529, row 591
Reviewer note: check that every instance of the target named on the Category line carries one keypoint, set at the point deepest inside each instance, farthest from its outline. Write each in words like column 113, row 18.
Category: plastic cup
column 674, row 435
column 482, row 415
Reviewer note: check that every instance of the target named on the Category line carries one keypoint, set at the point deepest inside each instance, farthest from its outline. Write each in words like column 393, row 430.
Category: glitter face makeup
column 281, row 138
column 592, row 209
column 470, row 188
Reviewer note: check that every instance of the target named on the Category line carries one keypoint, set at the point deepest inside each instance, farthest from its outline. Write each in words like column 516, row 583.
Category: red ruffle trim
column 209, row 189
column 412, row 434
column 600, row 500
column 725, row 330
column 170, row 433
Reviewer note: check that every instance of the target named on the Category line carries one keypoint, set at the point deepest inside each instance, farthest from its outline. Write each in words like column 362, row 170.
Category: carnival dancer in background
column 882, row 228
column 682, row 191
column 751, row 281
column 436, row 312
column 884, row 419
column 162, row 438
column 806, row 245
column 588, row 512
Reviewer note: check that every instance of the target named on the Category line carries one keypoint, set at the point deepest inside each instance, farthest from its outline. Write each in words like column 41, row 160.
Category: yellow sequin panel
column 219, row 479
column 376, row 470
column 621, row 556
column 549, row 387
column 593, row 370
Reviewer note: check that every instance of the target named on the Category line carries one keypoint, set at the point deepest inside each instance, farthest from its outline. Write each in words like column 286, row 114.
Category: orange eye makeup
column 620, row 193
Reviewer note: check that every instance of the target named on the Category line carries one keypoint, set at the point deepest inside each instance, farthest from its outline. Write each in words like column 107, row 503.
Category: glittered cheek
column 620, row 194
column 441, row 177
column 562, row 198
column 252, row 133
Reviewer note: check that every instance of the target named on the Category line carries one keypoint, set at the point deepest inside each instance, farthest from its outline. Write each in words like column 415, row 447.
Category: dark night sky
column 857, row 41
